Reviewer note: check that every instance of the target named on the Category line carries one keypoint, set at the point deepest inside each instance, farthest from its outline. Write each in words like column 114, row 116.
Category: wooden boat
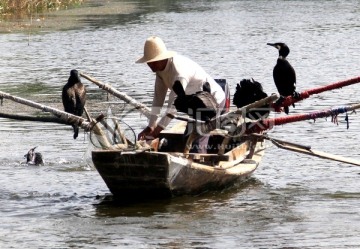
column 167, row 172
column 171, row 171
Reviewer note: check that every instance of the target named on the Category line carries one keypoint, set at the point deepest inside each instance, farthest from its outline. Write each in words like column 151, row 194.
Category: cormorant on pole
column 284, row 74
column 247, row 92
column 74, row 97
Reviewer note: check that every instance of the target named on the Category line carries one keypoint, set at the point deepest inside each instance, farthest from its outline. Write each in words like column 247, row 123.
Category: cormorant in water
column 284, row 74
column 34, row 158
column 247, row 92
column 74, row 97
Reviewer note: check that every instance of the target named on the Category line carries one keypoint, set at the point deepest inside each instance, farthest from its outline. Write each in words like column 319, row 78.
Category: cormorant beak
column 274, row 45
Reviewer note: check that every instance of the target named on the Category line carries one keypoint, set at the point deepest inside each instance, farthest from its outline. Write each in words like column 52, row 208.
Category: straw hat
column 155, row 50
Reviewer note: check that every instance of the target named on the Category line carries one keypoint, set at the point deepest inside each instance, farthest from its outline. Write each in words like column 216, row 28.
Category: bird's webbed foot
column 296, row 95
column 280, row 100
column 279, row 104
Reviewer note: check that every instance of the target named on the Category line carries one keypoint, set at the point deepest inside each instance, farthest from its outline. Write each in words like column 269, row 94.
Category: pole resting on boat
column 67, row 117
column 206, row 127
column 235, row 117
column 266, row 124
column 108, row 88
column 289, row 100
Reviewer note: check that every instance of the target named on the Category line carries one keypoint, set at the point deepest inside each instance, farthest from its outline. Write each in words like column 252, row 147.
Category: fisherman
column 169, row 68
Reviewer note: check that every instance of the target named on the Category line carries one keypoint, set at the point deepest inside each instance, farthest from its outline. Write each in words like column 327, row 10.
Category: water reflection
column 110, row 206
column 101, row 14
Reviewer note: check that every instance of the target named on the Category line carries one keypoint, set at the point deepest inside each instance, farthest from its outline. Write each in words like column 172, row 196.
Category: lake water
column 292, row 200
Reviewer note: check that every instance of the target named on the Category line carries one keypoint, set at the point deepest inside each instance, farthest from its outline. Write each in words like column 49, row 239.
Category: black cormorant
column 34, row 158
column 74, row 97
column 247, row 92
column 284, row 74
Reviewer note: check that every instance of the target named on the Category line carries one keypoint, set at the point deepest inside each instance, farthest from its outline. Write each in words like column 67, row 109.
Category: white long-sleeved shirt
column 192, row 78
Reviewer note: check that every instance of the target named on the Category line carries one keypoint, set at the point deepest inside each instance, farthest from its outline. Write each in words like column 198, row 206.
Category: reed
column 27, row 7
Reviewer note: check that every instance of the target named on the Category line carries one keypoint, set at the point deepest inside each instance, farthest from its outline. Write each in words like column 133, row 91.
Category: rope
column 266, row 124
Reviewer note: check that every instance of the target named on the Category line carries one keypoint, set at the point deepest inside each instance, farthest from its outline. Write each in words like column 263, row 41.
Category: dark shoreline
column 66, row 19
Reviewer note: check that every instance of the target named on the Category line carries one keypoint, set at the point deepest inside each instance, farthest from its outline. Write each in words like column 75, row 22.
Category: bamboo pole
column 96, row 129
column 67, row 117
column 214, row 123
column 108, row 88
column 289, row 100
column 51, row 119
column 101, row 137
column 206, row 127
column 266, row 124
column 228, row 115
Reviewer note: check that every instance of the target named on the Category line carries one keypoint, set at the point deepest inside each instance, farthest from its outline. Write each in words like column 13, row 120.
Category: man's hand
column 150, row 133
column 157, row 131
column 148, row 130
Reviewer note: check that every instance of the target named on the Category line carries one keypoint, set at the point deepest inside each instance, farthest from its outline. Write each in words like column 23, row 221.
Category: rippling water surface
column 292, row 201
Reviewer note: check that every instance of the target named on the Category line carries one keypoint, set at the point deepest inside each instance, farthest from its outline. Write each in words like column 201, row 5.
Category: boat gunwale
column 220, row 166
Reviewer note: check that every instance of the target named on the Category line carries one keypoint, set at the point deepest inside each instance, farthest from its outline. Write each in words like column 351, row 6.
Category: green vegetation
column 19, row 8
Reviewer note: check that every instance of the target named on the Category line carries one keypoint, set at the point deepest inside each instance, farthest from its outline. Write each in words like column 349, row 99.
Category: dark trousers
column 200, row 144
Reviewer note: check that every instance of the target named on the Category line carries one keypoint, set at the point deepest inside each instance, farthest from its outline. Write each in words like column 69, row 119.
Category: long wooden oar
column 266, row 124
column 289, row 100
column 308, row 151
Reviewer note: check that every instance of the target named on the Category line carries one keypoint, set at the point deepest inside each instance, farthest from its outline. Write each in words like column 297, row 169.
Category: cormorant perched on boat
column 74, row 97
column 34, row 158
column 247, row 92
column 284, row 74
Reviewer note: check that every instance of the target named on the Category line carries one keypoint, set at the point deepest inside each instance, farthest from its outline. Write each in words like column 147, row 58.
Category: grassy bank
column 21, row 8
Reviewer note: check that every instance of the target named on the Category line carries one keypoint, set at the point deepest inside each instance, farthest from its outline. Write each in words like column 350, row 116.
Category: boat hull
column 151, row 174
column 133, row 174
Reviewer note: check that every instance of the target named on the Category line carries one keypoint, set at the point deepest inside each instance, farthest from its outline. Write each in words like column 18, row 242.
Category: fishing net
column 112, row 132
